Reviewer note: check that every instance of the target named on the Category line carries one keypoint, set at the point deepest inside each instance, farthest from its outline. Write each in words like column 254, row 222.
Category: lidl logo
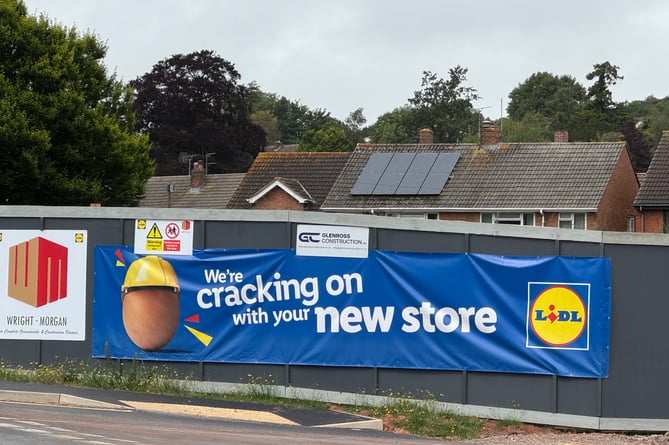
column 557, row 315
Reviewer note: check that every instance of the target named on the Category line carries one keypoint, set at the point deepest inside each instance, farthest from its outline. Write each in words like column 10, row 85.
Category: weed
column 422, row 418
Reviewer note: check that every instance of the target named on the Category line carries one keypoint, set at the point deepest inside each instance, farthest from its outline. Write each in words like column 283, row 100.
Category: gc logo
column 309, row 237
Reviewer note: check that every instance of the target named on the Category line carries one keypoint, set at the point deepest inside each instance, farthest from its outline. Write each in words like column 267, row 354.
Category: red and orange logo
column 557, row 317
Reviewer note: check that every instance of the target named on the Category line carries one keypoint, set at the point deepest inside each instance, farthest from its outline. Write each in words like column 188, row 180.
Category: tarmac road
column 58, row 415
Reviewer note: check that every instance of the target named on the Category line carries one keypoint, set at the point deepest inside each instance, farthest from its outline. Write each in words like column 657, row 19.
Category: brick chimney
column 560, row 136
column 197, row 175
column 490, row 134
column 425, row 136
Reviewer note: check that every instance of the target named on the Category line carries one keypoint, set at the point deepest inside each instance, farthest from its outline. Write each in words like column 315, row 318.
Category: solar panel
column 371, row 173
column 416, row 174
column 391, row 178
column 439, row 173
column 405, row 174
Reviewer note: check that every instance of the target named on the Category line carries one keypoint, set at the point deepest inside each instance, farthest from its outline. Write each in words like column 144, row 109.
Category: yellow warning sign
column 169, row 237
column 154, row 233
column 154, row 245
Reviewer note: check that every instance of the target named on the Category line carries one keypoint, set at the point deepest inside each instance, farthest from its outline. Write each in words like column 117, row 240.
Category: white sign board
column 332, row 241
column 43, row 284
column 164, row 237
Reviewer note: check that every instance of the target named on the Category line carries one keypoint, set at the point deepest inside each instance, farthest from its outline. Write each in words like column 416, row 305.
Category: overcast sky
column 340, row 55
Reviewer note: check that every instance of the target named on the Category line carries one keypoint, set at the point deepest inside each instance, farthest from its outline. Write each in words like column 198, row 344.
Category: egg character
column 150, row 300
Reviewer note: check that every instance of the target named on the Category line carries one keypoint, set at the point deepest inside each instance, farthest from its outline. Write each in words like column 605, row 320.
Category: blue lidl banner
column 539, row 315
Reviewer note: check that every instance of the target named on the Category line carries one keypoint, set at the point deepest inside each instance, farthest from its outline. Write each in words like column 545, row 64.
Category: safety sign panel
column 166, row 237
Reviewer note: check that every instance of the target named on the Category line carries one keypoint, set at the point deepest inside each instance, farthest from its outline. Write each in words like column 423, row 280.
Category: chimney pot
column 197, row 175
column 425, row 136
column 490, row 134
column 560, row 136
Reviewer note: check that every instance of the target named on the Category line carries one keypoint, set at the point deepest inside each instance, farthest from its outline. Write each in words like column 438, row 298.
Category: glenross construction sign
column 332, row 241
column 43, row 284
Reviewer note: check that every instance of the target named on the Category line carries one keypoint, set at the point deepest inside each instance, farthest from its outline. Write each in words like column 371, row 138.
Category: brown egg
column 151, row 316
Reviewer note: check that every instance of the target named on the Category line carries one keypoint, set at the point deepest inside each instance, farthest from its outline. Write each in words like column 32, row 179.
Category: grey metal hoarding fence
column 633, row 396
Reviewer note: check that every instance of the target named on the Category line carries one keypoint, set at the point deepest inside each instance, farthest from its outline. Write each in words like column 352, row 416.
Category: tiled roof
column 214, row 194
column 282, row 147
column 654, row 191
column 315, row 171
column 512, row 176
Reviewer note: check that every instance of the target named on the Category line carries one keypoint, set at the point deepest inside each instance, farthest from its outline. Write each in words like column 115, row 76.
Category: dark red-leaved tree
column 193, row 104
column 637, row 145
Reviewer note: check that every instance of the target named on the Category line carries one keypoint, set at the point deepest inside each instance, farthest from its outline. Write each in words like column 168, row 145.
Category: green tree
column 329, row 138
column 354, row 125
column 533, row 127
column 586, row 124
column 66, row 127
column 394, row 127
column 293, row 118
column 445, row 105
column 605, row 75
column 269, row 123
column 555, row 97
column 651, row 116
column 194, row 104
column 356, row 120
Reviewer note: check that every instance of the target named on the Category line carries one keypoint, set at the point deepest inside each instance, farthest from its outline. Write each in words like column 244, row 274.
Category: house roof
column 314, row 171
column 654, row 191
column 513, row 176
column 214, row 194
column 280, row 146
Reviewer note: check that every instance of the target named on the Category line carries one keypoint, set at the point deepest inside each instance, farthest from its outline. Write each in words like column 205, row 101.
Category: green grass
column 422, row 418
column 418, row 417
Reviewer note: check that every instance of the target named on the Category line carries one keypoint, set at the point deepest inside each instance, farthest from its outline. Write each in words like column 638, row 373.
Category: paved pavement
column 195, row 406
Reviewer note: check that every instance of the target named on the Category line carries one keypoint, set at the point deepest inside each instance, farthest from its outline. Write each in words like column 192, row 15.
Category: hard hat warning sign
column 164, row 236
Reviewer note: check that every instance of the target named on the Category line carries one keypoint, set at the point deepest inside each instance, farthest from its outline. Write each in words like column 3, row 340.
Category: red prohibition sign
column 172, row 230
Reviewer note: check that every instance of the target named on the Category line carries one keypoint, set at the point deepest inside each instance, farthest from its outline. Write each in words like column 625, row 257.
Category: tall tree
column 555, row 97
column 269, row 123
column 329, row 138
column 194, row 104
column 605, row 75
column 601, row 99
column 533, row 127
column 293, row 118
column 395, row 127
column 66, row 127
column 445, row 105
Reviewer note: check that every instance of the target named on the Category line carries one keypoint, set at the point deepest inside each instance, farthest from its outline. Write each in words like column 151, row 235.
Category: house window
column 571, row 220
column 665, row 228
column 515, row 218
column 414, row 215
column 631, row 224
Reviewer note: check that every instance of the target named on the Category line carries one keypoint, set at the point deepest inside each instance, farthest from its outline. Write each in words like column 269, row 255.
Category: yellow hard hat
column 150, row 271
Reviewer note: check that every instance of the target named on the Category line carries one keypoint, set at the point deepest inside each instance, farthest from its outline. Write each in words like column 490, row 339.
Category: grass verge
column 417, row 417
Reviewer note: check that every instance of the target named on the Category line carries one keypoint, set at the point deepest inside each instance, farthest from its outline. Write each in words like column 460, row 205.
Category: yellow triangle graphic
column 119, row 263
column 154, row 233
column 204, row 338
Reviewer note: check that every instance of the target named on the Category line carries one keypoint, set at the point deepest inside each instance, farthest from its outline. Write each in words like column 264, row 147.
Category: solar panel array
column 405, row 174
